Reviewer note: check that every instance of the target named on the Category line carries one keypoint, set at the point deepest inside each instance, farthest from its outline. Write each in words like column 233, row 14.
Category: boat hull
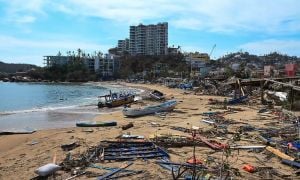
column 96, row 124
column 157, row 95
column 117, row 102
column 120, row 102
column 166, row 106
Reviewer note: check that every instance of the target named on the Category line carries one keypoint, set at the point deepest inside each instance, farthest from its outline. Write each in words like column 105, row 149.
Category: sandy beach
column 20, row 155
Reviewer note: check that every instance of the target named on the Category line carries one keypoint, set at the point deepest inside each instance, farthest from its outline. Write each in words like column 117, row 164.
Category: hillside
column 13, row 68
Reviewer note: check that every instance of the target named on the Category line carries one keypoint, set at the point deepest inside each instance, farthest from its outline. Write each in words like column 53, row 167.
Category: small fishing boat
column 157, row 95
column 96, row 123
column 166, row 106
column 115, row 99
column 26, row 130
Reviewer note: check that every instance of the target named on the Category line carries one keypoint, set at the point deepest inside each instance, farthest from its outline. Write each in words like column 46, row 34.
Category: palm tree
column 79, row 52
column 69, row 53
column 99, row 54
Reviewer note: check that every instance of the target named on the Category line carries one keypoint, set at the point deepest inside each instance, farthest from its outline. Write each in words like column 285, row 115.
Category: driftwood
column 127, row 126
column 279, row 153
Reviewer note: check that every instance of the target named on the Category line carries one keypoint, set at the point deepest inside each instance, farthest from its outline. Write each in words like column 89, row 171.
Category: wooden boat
column 166, row 106
column 115, row 100
column 26, row 130
column 96, row 123
column 157, row 95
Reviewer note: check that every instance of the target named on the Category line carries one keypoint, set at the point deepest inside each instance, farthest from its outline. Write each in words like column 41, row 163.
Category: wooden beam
column 262, row 92
column 279, row 153
column 292, row 98
column 296, row 88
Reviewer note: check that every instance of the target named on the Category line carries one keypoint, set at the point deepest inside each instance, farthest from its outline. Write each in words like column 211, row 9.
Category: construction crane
column 212, row 50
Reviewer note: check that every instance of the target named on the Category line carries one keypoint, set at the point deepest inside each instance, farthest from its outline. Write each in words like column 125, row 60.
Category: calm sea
column 17, row 97
column 47, row 105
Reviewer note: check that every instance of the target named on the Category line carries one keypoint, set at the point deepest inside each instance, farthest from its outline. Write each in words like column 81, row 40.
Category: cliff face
column 13, row 68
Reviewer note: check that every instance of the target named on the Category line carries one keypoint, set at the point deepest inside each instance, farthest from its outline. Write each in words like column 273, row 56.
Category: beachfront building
column 148, row 39
column 89, row 63
column 108, row 65
column 105, row 66
column 58, row 60
column 123, row 46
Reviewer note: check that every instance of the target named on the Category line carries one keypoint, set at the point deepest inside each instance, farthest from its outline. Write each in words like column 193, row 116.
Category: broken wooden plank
column 279, row 153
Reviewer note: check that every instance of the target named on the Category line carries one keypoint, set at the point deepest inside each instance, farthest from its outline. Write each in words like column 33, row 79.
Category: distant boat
column 96, row 123
column 166, row 106
column 115, row 100
column 157, row 95
column 26, row 130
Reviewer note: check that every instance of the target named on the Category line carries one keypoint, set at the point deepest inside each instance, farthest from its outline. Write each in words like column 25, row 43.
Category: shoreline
column 63, row 117
column 18, row 158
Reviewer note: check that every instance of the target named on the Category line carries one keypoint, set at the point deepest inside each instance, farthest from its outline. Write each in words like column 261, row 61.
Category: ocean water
column 18, row 97
column 47, row 105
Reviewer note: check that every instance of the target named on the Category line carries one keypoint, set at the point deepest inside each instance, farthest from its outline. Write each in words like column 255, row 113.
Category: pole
column 262, row 92
column 292, row 98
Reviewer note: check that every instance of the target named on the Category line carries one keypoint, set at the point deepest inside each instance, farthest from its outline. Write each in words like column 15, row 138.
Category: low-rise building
column 174, row 50
column 198, row 63
column 58, row 60
column 90, row 64
column 269, row 71
column 198, row 56
column 290, row 70
column 108, row 65
column 105, row 66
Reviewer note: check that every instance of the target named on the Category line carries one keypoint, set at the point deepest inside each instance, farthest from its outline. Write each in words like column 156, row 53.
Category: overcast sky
column 30, row 29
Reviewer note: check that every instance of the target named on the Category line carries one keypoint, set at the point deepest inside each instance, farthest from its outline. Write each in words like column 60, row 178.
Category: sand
column 20, row 155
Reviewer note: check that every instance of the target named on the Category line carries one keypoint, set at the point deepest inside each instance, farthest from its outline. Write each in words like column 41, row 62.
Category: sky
column 33, row 28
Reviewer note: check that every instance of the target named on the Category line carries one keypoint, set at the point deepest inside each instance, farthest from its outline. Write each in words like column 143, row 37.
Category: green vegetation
column 13, row 68
column 150, row 67
column 75, row 71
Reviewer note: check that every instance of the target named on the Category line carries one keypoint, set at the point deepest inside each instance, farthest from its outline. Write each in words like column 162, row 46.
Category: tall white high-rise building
column 148, row 39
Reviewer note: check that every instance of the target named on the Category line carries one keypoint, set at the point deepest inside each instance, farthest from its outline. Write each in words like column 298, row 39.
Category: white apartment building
column 104, row 66
column 148, row 39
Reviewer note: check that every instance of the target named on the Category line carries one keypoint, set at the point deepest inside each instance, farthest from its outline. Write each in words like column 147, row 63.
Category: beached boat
column 26, row 130
column 115, row 100
column 96, row 123
column 166, row 106
column 157, row 95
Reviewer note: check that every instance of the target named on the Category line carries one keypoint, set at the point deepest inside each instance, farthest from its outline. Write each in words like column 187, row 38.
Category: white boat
column 157, row 95
column 166, row 106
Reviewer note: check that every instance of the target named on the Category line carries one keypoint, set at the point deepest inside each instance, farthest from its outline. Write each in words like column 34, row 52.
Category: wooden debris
column 127, row 126
column 279, row 153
